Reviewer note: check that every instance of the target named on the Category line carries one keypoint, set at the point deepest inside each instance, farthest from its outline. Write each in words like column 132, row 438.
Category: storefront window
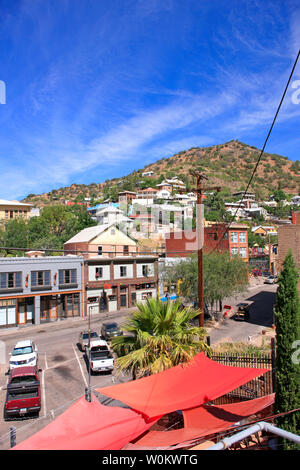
column 8, row 315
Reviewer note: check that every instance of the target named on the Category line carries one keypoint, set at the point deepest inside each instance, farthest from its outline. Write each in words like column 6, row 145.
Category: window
column 67, row 276
column 242, row 237
column 234, row 237
column 113, row 231
column 99, row 273
column 125, row 249
column 123, row 271
column 99, row 250
column 10, row 280
column 40, row 278
column 243, row 252
column 145, row 270
column 234, row 251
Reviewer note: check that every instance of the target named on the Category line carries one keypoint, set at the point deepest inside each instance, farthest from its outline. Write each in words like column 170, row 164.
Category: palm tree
column 160, row 336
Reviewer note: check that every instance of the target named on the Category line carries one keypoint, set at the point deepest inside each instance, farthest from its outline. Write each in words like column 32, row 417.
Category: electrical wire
column 262, row 151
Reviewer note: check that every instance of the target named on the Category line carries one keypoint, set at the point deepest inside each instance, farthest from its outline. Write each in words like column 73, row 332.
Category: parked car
column 271, row 280
column 83, row 339
column 110, row 330
column 23, row 396
column 24, row 353
column 99, row 357
column 243, row 312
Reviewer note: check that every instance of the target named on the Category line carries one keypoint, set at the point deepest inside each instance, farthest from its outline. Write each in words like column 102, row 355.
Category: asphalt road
column 63, row 376
column 64, row 372
column 262, row 299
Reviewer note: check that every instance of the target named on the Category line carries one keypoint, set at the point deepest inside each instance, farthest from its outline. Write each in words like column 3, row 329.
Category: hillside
column 229, row 165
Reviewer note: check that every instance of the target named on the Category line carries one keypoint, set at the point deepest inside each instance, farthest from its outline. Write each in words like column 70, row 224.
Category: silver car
column 83, row 339
column 271, row 280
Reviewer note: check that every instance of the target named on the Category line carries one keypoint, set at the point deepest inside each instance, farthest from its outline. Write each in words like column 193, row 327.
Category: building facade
column 40, row 289
column 116, row 275
column 289, row 239
column 113, row 284
column 216, row 237
column 14, row 209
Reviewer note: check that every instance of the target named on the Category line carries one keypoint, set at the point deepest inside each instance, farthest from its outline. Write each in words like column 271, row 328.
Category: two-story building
column 116, row 274
column 14, row 209
column 215, row 237
column 40, row 289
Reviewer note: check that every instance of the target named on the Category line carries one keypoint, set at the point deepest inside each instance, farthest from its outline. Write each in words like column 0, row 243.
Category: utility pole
column 200, row 189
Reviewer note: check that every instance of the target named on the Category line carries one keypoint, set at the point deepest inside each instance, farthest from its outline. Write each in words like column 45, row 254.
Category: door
column 22, row 313
column 123, row 300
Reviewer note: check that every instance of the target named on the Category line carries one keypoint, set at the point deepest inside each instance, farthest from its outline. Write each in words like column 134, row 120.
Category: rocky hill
column 228, row 165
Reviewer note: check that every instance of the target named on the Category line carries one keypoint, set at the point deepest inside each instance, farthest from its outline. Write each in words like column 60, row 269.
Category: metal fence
column 258, row 387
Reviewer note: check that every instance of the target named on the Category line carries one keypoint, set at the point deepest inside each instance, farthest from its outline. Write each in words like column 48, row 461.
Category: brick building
column 289, row 238
column 234, row 240
column 116, row 275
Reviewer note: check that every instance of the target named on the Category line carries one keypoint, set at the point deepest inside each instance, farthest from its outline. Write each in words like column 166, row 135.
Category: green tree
column 287, row 321
column 223, row 276
column 161, row 336
column 15, row 235
column 279, row 195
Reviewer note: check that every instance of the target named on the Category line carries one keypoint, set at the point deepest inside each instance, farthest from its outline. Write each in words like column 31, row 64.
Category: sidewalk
column 64, row 323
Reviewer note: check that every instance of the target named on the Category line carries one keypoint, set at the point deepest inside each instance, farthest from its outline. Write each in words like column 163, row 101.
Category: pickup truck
column 23, row 396
column 243, row 312
column 99, row 357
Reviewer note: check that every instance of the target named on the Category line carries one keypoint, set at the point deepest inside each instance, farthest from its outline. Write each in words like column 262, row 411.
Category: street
column 64, row 373
column 262, row 299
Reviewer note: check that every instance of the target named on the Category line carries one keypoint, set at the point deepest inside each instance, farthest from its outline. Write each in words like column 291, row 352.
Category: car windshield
column 20, row 351
column 111, row 326
column 93, row 334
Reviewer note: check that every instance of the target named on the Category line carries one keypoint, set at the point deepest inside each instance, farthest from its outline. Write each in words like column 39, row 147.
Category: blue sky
column 98, row 88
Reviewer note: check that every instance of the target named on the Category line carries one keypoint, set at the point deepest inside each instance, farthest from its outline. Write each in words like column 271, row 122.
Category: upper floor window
column 99, row 250
column 125, row 249
column 10, row 280
column 99, row 273
column 234, row 237
column 67, row 276
column 242, row 237
column 145, row 270
column 123, row 271
column 40, row 278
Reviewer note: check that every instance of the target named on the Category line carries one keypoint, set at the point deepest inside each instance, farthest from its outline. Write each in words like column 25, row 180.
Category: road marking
column 61, row 363
column 46, row 363
column 78, row 360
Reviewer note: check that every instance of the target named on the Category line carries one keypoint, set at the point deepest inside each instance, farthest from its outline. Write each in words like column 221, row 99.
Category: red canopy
column 181, row 387
column 88, row 426
column 203, row 421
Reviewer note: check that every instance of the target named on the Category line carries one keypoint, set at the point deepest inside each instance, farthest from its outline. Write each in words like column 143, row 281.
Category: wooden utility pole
column 200, row 191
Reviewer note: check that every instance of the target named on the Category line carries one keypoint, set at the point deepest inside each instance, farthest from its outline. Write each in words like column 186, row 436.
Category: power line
column 263, row 149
